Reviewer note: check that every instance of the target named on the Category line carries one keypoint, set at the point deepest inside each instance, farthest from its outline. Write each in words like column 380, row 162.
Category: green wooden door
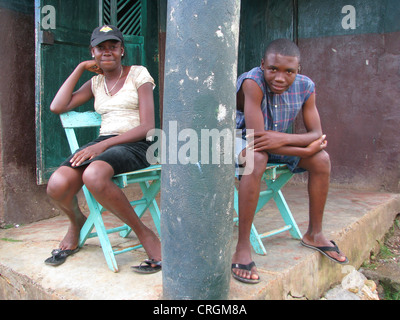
column 63, row 29
column 262, row 21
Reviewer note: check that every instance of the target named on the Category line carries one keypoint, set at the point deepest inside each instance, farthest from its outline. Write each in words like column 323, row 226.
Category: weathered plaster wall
column 21, row 201
column 358, row 92
column 357, row 76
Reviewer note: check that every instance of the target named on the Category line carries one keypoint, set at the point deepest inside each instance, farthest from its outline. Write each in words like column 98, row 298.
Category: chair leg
column 94, row 210
column 273, row 191
column 255, row 238
column 105, row 243
column 95, row 220
column 287, row 215
column 149, row 191
column 256, row 241
column 155, row 213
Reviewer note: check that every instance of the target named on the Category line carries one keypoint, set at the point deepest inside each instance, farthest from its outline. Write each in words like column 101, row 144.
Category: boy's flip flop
column 323, row 250
column 146, row 266
column 246, row 267
column 59, row 256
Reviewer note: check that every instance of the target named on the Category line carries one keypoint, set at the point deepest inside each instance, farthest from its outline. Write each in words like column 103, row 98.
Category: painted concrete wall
column 357, row 76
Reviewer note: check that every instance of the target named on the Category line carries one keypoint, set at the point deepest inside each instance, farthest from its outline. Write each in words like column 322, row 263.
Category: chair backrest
column 73, row 119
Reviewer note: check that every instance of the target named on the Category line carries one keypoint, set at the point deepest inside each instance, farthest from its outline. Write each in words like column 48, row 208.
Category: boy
column 268, row 100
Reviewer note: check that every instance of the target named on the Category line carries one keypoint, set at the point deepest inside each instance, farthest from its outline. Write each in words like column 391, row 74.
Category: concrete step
column 354, row 219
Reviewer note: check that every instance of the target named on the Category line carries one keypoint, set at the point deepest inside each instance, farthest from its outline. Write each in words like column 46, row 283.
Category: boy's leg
column 319, row 168
column 249, row 191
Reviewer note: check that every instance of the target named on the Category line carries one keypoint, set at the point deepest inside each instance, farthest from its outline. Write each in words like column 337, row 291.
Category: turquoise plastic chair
column 73, row 120
column 275, row 177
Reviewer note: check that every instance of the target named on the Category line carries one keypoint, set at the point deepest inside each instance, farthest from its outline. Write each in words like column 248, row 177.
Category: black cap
column 104, row 33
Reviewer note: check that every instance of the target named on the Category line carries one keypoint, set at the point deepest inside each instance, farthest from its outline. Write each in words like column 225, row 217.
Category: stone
column 338, row 293
column 367, row 294
column 370, row 284
column 354, row 281
column 354, row 286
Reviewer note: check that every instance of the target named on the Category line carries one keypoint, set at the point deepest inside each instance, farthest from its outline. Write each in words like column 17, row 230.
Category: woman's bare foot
column 71, row 239
column 152, row 245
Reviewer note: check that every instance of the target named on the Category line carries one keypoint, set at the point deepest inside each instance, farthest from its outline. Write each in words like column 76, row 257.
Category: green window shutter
column 128, row 16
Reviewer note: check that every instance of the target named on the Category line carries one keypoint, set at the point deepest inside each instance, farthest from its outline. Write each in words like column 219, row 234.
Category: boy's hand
column 265, row 140
column 317, row 145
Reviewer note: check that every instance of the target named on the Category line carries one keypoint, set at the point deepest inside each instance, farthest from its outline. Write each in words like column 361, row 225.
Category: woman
column 124, row 99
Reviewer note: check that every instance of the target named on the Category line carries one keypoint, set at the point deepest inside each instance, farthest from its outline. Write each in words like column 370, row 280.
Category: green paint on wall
column 325, row 18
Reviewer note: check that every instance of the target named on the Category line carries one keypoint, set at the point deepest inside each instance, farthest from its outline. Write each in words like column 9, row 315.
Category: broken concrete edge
column 323, row 273
column 16, row 286
column 309, row 279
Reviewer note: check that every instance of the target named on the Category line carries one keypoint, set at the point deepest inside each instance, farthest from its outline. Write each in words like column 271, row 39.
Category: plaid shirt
column 279, row 110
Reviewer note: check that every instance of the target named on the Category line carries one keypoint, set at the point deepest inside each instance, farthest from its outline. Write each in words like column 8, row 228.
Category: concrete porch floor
column 354, row 219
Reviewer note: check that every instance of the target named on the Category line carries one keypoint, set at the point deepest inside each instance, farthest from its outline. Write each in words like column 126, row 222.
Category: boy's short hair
column 284, row 47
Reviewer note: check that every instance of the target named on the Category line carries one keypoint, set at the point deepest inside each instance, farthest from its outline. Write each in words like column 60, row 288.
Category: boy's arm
column 291, row 144
column 302, row 152
column 254, row 118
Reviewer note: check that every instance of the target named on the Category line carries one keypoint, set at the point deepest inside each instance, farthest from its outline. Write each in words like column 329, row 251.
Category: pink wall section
column 358, row 96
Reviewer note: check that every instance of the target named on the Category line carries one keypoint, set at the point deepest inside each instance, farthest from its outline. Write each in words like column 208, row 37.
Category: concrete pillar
column 198, row 172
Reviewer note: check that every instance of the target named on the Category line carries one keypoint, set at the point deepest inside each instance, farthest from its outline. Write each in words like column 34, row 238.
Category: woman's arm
column 146, row 112
column 66, row 99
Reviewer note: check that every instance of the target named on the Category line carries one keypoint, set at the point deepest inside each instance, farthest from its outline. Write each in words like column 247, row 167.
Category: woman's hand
column 87, row 154
column 91, row 65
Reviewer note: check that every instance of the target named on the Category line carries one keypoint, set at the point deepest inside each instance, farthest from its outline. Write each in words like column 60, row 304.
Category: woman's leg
column 97, row 178
column 62, row 187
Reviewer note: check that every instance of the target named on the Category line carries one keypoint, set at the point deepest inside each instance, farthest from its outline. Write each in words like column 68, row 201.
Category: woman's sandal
column 146, row 266
column 59, row 256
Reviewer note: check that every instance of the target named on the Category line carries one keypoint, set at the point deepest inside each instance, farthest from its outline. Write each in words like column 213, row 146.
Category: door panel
column 262, row 21
column 58, row 51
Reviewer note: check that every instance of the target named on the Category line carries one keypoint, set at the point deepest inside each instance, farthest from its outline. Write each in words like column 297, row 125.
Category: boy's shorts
column 291, row 161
